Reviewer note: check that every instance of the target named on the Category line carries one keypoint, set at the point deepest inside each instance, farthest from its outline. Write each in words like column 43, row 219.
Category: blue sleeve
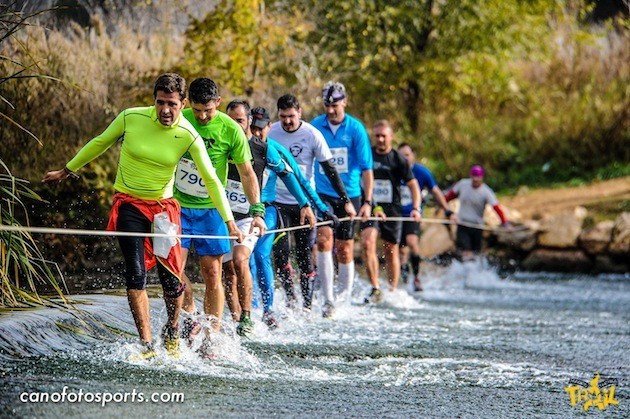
column 424, row 176
column 363, row 148
column 277, row 165
column 304, row 183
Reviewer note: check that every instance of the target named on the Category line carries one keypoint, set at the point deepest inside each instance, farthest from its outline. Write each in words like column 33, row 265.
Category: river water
column 471, row 345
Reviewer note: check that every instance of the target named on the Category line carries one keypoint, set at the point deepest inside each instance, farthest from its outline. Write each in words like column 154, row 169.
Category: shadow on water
column 470, row 345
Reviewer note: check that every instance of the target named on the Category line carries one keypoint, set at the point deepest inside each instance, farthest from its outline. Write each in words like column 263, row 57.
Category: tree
column 246, row 47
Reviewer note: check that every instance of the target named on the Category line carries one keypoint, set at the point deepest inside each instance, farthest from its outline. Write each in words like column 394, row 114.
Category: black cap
column 260, row 117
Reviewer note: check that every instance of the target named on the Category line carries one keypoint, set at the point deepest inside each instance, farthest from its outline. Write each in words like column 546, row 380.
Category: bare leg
column 345, row 258
column 392, row 259
column 244, row 277
column 139, row 305
column 368, row 239
column 214, row 299
column 230, row 282
column 188, row 301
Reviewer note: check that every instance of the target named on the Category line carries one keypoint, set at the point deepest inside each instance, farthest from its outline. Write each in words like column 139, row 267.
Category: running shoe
column 270, row 320
column 190, row 328
column 147, row 353
column 375, row 296
column 328, row 311
column 170, row 337
column 245, row 326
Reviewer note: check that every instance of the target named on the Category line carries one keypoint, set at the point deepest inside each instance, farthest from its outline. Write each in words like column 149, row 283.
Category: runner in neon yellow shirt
column 153, row 140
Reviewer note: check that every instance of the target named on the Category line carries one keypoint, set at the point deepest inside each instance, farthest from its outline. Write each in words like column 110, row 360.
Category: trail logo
column 596, row 394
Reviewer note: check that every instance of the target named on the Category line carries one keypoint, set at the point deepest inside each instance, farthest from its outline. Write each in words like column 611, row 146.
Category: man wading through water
column 153, row 139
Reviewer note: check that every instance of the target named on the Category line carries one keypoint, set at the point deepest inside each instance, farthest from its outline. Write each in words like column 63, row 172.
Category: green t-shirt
column 224, row 139
column 149, row 156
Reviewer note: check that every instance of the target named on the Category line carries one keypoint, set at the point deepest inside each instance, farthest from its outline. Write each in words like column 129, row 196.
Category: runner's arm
column 335, row 180
column 439, row 196
column 98, row 145
column 416, row 196
column 304, row 183
column 500, row 213
column 216, row 191
column 280, row 167
column 249, row 181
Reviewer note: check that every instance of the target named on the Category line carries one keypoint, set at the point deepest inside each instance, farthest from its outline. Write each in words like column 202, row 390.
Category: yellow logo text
column 596, row 394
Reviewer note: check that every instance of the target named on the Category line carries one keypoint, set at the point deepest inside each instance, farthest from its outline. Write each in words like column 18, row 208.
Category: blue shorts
column 208, row 222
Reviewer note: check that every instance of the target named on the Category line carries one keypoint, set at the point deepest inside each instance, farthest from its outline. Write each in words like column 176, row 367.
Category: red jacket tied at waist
column 149, row 208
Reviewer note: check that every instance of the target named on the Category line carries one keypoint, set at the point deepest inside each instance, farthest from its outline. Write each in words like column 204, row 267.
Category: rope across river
column 83, row 232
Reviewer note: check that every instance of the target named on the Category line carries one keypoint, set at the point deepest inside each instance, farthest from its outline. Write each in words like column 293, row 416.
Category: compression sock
column 415, row 264
column 346, row 279
column 326, row 273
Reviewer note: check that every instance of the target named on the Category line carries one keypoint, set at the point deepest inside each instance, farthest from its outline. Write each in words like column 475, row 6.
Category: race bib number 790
column 188, row 179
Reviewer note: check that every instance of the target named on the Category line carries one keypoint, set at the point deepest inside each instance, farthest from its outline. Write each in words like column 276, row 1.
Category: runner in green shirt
column 223, row 139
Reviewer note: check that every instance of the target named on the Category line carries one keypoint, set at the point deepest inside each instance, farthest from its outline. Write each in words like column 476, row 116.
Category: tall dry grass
column 100, row 74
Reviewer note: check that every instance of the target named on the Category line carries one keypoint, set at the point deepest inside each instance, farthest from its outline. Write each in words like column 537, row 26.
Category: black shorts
column 469, row 238
column 410, row 227
column 391, row 231
column 345, row 230
column 130, row 219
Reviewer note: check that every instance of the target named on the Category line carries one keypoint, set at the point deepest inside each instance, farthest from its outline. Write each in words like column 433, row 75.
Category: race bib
column 236, row 196
column 340, row 160
column 383, row 191
column 405, row 196
column 188, row 179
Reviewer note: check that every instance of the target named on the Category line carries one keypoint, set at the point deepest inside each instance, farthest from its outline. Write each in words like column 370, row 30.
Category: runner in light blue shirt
column 352, row 155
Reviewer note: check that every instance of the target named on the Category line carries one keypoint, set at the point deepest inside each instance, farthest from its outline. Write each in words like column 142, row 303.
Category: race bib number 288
column 340, row 160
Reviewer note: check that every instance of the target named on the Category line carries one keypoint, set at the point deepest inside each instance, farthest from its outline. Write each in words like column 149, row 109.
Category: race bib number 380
column 188, row 179
column 383, row 191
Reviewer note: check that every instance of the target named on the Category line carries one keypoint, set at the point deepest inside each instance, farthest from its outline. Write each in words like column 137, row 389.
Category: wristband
column 448, row 213
column 257, row 210
column 69, row 173
column 378, row 208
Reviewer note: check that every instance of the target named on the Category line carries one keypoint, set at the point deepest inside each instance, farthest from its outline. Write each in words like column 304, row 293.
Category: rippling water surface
column 471, row 345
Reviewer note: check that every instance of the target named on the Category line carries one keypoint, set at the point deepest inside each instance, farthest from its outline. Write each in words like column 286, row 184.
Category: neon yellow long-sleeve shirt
column 149, row 156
